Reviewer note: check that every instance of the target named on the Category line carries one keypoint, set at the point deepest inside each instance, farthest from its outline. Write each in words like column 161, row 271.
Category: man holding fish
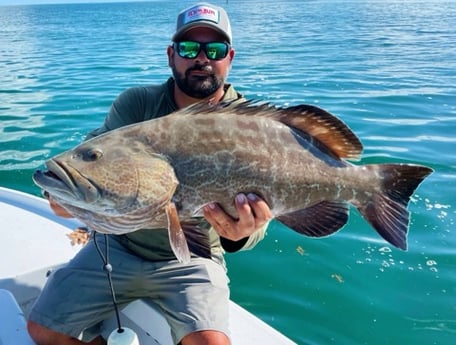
column 153, row 184
column 193, row 296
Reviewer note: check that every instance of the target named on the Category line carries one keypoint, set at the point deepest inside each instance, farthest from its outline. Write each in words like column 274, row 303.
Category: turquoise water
column 388, row 69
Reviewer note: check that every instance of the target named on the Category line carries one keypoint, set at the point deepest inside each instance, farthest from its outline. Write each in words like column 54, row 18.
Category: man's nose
column 202, row 57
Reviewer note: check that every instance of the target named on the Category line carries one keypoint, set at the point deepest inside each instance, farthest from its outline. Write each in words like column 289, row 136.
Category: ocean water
column 386, row 68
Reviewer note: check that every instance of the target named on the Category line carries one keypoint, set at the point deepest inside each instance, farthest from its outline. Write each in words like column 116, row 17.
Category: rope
column 108, row 268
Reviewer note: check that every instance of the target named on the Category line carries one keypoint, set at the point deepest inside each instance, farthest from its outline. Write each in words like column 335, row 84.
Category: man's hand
column 80, row 235
column 253, row 213
column 59, row 210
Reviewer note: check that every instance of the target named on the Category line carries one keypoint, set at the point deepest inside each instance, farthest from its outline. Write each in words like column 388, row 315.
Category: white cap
column 203, row 15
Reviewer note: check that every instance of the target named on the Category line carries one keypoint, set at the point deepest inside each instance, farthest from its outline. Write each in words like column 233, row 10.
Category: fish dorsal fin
column 329, row 132
column 327, row 129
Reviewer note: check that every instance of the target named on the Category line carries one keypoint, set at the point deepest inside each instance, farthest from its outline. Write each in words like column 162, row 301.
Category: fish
column 160, row 173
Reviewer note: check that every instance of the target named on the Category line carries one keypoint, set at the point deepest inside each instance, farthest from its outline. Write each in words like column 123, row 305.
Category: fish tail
column 387, row 210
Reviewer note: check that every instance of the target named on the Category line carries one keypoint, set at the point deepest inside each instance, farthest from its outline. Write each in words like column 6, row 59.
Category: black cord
column 108, row 268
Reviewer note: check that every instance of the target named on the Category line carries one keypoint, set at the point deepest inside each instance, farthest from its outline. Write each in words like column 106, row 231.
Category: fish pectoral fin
column 319, row 220
column 197, row 238
column 177, row 238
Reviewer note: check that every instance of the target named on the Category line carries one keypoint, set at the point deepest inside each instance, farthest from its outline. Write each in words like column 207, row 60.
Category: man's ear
column 170, row 53
column 231, row 54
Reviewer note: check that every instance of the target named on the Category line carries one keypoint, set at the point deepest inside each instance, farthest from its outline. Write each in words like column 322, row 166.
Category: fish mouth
column 65, row 182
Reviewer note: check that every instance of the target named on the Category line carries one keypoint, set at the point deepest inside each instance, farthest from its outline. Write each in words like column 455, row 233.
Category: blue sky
column 29, row 2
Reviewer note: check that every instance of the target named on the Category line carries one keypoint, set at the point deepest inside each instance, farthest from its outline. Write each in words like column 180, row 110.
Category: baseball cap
column 203, row 15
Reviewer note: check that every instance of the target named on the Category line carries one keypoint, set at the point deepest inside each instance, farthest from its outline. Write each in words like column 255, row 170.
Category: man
column 193, row 297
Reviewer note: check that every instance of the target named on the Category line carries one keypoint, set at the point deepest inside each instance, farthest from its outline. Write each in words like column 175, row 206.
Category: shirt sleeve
column 126, row 109
column 245, row 243
column 256, row 237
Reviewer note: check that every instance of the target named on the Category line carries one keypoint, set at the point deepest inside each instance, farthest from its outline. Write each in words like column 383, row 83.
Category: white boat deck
column 34, row 242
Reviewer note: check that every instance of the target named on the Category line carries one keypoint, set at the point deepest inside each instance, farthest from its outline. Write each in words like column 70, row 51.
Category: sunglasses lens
column 191, row 49
column 216, row 50
column 188, row 50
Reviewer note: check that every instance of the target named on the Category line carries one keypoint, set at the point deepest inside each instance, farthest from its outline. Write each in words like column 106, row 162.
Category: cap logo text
column 201, row 13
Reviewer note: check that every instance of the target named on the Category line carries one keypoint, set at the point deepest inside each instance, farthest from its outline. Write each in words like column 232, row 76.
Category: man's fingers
column 218, row 219
column 260, row 209
column 253, row 213
column 246, row 216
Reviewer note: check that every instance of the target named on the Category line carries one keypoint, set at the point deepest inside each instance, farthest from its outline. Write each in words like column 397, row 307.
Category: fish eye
column 93, row 155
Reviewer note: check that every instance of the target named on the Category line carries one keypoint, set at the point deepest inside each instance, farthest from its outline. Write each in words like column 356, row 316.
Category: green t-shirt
column 143, row 103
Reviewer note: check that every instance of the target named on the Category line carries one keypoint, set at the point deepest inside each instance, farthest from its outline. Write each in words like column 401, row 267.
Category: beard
column 198, row 86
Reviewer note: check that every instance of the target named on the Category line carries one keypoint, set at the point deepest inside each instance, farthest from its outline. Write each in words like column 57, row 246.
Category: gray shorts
column 192, row 297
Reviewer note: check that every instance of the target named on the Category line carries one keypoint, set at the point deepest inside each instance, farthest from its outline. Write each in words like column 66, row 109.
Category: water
column 387, row 68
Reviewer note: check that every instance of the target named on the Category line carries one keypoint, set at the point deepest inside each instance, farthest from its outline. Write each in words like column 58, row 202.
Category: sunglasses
column 191, row 49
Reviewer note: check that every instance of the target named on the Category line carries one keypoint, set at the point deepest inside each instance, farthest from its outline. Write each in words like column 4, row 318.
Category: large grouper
column 160, row 173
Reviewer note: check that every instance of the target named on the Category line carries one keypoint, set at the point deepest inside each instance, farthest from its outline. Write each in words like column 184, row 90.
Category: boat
column 35, row 242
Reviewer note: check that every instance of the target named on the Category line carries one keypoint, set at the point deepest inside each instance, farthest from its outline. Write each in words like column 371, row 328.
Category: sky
column 29, row 2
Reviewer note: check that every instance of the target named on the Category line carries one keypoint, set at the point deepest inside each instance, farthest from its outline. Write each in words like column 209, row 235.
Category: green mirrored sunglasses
column 191, row 49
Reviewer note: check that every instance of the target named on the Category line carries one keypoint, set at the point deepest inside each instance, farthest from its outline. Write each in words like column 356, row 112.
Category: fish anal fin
column 319, row 220
column 177, row 238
